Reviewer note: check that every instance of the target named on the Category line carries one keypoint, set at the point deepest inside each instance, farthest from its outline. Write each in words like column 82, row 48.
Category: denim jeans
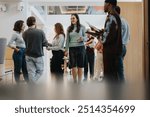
column 35, row 67
column 120, row 65
column 20, row 64
column 89, row 62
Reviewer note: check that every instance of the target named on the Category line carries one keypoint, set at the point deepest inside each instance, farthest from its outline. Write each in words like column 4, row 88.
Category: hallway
column 47, row 87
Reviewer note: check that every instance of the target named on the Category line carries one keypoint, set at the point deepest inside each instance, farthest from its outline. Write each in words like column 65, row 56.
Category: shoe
column 100, row 78
column 85, row 79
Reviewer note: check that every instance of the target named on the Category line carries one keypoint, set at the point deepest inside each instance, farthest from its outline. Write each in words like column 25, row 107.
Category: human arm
column 11, row 43
column 83, row 37
column 59, row 45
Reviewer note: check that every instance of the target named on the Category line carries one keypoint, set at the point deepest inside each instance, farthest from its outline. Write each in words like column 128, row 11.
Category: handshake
column 95, row 32
column 48, row 47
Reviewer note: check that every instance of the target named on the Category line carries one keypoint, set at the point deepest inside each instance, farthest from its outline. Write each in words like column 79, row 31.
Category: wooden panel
column 8, row 58
column 146, row 39
column 134, row 59
column 8, row 54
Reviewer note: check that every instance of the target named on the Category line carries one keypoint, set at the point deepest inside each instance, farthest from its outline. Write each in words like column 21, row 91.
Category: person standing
column 98, row 75
column 89, row 57
column 112, row 42
column 75, row 44
column 125, row 39
column 18, row 45
column 58, row 52
column 35, row 41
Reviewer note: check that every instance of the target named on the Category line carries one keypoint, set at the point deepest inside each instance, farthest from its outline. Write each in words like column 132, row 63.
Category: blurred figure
column 89, row 57
column 17, row 43
column 125, row 39
column 58, row 52
column 35, row 41
column 98, row 75
column 112, row 42
column 75, row 43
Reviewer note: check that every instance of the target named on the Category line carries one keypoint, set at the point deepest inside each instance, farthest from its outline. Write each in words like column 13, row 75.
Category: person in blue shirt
column 125, row 32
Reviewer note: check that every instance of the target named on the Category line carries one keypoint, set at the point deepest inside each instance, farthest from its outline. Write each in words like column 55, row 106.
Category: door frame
column 146, row 39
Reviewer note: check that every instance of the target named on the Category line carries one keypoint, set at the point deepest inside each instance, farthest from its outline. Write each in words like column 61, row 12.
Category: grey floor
column 48, row 88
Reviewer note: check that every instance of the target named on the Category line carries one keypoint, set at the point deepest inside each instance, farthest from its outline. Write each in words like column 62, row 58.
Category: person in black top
column 112, row 42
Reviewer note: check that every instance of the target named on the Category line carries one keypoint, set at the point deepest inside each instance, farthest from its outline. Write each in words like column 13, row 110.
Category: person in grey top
column 35, row 41
column 58, row 52
column 17, row 43
column 75, row 44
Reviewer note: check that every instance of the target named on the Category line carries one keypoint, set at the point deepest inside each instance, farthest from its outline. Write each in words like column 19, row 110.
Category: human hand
column 48, row 48
column 16, row 50
column 66, row 53
column 80, row 39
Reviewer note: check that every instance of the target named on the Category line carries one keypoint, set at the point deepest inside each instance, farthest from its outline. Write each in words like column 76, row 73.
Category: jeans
column 20, row 64
column 35, row 67
column 89, row 62
column 120, row 65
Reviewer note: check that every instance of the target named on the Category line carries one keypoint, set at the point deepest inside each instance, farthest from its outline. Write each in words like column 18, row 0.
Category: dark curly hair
column 31, row 21
column 18, row 25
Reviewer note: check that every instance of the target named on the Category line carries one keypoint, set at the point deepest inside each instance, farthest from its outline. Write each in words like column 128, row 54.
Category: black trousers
column 56, row 64
column 89, row 63
column 111, row 63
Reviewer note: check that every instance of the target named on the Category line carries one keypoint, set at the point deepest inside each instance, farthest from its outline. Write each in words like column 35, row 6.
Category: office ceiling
column 50, row 1
column 10, row 0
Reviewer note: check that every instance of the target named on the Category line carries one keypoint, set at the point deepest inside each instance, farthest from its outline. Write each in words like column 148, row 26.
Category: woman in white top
column 58, row 52
column 17, row 43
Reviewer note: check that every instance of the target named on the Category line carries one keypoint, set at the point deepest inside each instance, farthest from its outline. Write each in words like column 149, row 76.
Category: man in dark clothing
column 112, row 42
column 34, row 40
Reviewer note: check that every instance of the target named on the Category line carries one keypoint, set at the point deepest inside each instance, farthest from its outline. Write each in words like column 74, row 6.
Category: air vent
column 73, row 9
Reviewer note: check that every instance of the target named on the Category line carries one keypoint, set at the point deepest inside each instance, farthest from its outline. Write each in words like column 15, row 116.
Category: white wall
column 8, row 18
